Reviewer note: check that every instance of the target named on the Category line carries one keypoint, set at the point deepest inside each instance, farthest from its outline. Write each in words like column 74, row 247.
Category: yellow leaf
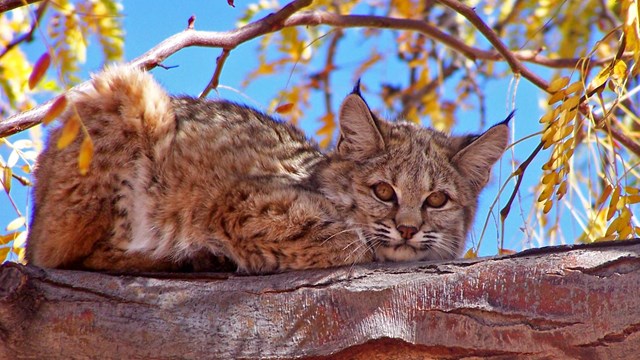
column 85, row 155
column 551, row 177
column 566, row 131
column 547, row 206
column 601, row 78
column 284, row 108
column 326, row 131
column 548, row 117
column 620, row 70
column 633, row 199
column 556, row 97
column 547, row 135
column 504, row 251
column 613, row 203
column 575, row 87
column 570, row 103
column 39, row 69
column 562, row 190
column 606, row 238
column 21, row 253
column 55, row 110
column 6, row 178
column 5, row 239
column 567, row 145
column 546, row 193
column 631, row 190
column 625, row 215
column 615, row 226
column 16, row 223
column 69, row 132
column 3, row 253
column 625, row 232
column 558, row 84
column 470, row 254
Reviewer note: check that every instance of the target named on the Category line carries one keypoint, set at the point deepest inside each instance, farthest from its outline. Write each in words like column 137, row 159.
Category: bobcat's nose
column 407, row 232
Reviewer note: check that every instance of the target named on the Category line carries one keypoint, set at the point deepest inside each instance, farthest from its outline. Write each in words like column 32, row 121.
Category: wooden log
column 579, row 302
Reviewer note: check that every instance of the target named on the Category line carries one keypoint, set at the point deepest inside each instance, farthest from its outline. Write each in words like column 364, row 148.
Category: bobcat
column 179, row 183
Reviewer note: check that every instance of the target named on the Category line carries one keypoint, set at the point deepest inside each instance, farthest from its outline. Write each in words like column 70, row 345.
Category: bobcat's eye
column 436, row 200
column 384, row 191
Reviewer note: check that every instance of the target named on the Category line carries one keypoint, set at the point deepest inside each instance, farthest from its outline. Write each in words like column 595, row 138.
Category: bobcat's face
column 412, row 203
column 410, row 192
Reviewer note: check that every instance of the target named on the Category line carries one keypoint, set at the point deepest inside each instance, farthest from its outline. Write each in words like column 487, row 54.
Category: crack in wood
column 619, row 266
column 610, row 339
column 98, row 293
column 493, row 319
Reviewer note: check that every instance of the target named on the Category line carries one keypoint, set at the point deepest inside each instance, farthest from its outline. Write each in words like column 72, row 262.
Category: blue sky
column 148, row 22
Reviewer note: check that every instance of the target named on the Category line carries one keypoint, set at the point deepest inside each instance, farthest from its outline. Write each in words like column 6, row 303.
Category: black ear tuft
column 356, row 89
column 506, row 121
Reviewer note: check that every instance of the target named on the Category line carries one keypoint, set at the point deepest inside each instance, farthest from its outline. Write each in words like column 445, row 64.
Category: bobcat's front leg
column 283, row 229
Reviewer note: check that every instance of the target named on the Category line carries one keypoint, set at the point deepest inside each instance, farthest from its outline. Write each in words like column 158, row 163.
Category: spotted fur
column 181, row 183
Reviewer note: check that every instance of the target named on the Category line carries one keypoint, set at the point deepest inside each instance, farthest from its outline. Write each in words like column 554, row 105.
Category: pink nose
column 407, row 232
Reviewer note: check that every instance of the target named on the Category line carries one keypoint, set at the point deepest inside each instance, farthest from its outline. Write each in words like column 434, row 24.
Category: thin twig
column 215, row 79
column 330, row 65
column 28, row 36
column 520, row 174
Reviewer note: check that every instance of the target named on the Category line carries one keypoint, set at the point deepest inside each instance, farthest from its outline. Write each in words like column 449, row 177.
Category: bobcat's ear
column 478, row 154
column 360, row 135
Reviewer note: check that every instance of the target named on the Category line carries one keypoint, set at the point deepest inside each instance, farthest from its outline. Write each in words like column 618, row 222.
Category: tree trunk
column 563, row 302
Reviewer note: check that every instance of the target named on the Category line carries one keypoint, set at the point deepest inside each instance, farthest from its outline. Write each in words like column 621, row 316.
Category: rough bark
column 578, row 302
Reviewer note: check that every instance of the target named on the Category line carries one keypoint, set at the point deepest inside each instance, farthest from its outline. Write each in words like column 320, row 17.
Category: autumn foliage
column 582, row 56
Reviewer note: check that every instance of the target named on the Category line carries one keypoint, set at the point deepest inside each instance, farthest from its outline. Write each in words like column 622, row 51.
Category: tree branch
column 7, row 5
column 287, row 17
column 516, row 66
column 215, row 79
column 539, row 304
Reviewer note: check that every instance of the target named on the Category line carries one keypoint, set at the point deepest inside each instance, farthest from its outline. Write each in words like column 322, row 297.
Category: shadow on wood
column 563, row 302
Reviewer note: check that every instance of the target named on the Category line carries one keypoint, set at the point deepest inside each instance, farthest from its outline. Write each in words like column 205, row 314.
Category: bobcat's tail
column 129, row 118
column 134, row 99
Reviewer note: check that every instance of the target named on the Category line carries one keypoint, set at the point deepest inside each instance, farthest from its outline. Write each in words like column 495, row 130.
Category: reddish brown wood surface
column 568, row 302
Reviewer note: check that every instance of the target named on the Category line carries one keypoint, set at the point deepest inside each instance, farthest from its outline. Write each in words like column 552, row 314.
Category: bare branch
column 329, row 65
column 515, row 64
column 289, row 16
column 215, row 79
column 154, row 57
column 7, row 5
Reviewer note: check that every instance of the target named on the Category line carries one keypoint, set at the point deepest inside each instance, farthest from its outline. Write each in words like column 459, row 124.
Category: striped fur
column 178, row 183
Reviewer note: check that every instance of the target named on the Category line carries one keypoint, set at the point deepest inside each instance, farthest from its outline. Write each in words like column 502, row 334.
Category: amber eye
column 437, row 200
column 384, row 191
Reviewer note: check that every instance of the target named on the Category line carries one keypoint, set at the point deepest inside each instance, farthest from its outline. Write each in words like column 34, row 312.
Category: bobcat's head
column 410, row 192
